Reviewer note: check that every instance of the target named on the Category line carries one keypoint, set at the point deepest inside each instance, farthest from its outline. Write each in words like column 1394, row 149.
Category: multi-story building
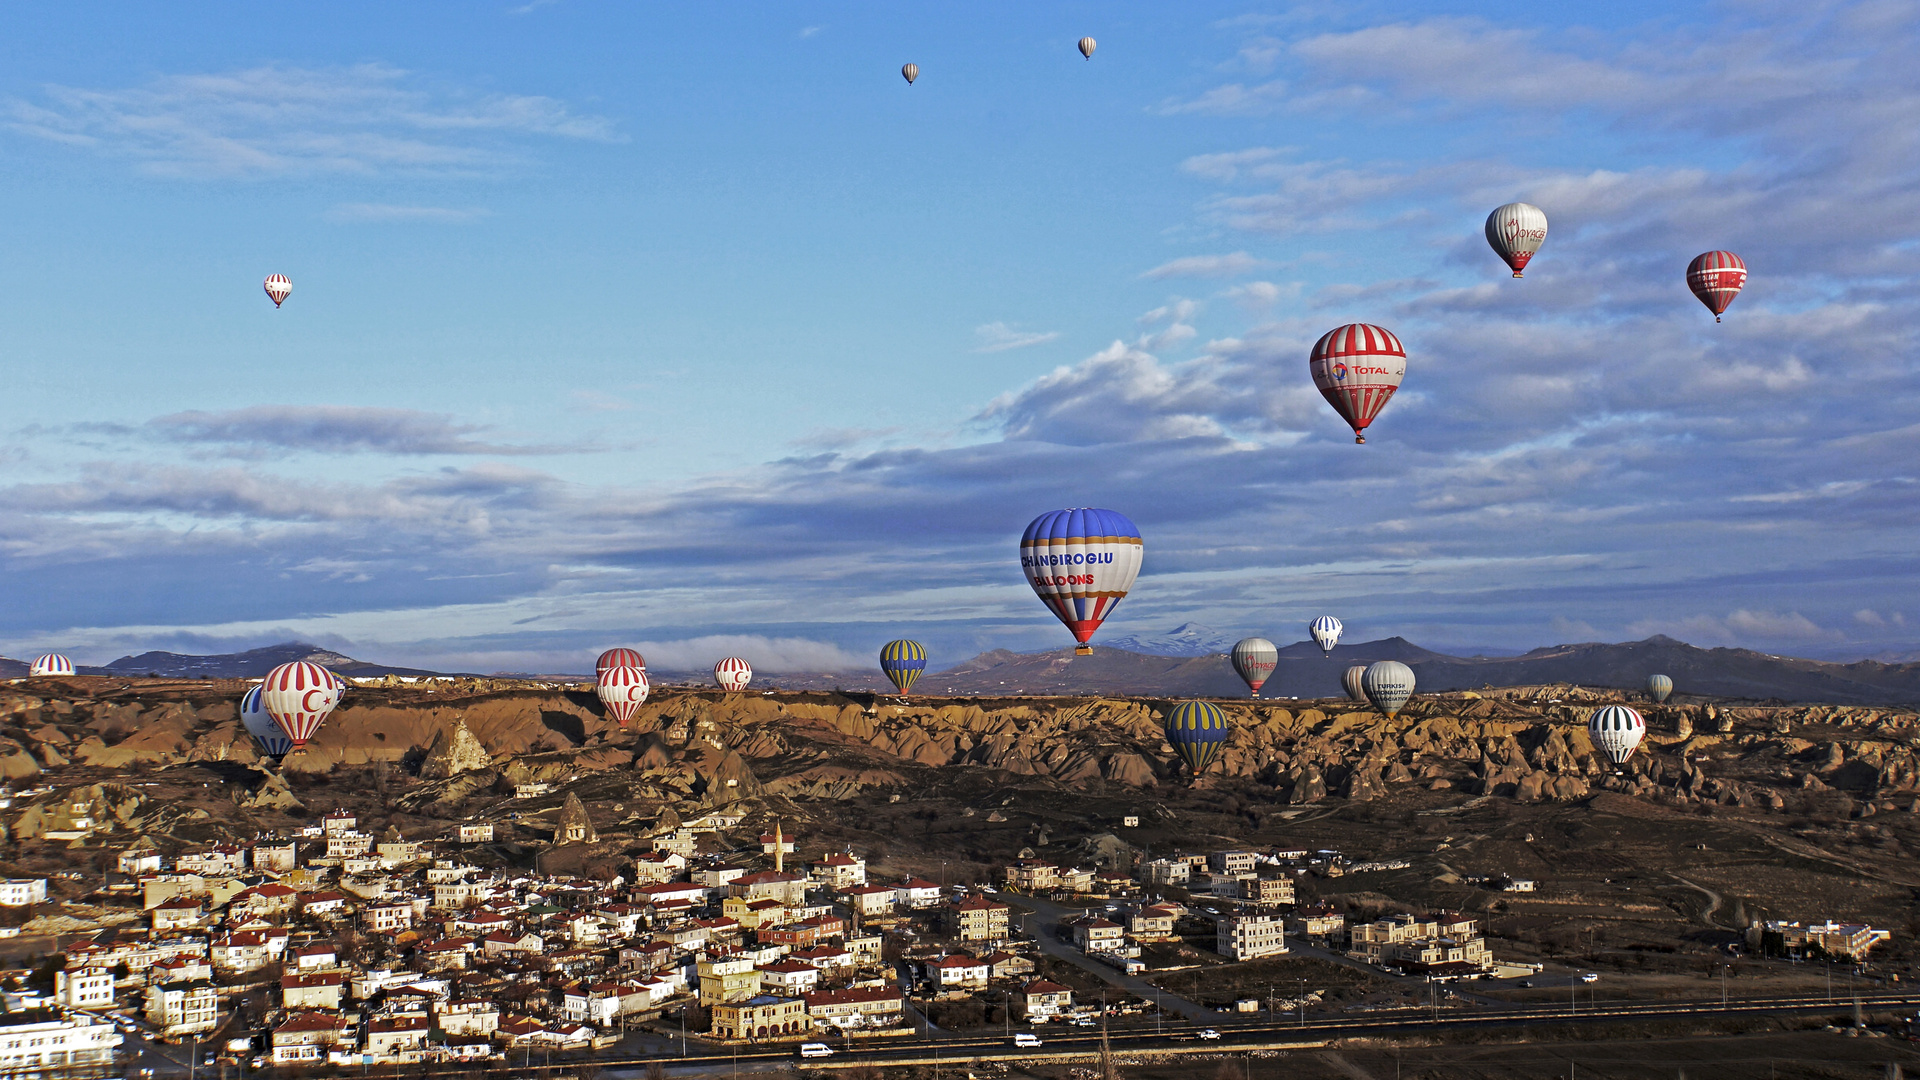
column 862, row 1006
column 183, row 1008
column 872, row 901
column 474, row 832
column 1168, row 872
column 770, row 885
column 1266, row 892
column 139, row 861
column 918, row 893
column 387, row 916
column 70, row 1043
column 83, row 988
column 977, row 918
column 762, row 1017
column 1043, row 1000
column 304, row 1039
column 1033, row 875
column 958, row 971
column 1250, row 936
column 840, row 870
column 20, row 892
column 275, row 856
column 1319, row 921
column 1232, row 862
column 321, row 990
column 727, row 979
column 1153, row 923
column 1777, row 937
column 1097, row 935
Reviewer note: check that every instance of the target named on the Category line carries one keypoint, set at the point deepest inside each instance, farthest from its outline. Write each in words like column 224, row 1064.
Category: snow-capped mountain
column 1187, row 639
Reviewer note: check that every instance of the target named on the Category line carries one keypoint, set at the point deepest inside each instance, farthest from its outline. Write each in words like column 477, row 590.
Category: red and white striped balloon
column 614, row 658
column 1357, row 368
column 299, row 696
column 1716, row 278
column 623, row 690
column 733, row 673
column 278, row 288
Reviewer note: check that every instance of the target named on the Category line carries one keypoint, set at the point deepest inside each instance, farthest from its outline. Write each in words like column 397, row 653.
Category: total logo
column 1340, row 372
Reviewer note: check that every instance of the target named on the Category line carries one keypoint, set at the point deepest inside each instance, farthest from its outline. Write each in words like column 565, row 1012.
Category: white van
column 1026, row 1038
column 815, row 1050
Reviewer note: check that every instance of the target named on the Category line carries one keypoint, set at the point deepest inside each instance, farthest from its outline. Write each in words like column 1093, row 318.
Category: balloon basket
column 1361, row 439
column 1083, row 650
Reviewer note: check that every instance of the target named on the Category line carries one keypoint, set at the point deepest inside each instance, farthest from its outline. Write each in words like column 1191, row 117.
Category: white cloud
column 1231, row 265
column 1751, row 629
column 769, row 654
column 1000, row 337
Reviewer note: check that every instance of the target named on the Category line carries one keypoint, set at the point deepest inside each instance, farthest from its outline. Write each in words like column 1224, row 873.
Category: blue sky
column 705, row 331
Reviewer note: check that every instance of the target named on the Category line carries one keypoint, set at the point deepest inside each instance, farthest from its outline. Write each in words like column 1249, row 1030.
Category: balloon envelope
column 623, row 690
column 1326, row 632
column 278, row 289
column 614, row 658
column 260, row 724
column 1081, row 562
column 1352, row 680
column 903, row 661
column 299, row 696
column 51, row 664
column 1616, row 731
column 910, row 72
column 1388, row 684
column 1087, row 45
column 1516, row 231
column 1254, row 659
column 1357, row 367
column 733, row 673
column 1659, row 686
column 1716, row 278
column 1196, row 730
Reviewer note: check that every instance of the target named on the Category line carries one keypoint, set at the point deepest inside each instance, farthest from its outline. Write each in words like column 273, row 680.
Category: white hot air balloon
column 278, row 288
column 1388, row 684
column 1616, row 731
column 1254, row 659
column 910, row 72
column 1353, row 679
column 623, row 690
column 51, row 664
column 299, row 696
column 1087, row 45
column 733, row 674
column 1516, row 231
column 1326, row 631
column 261, row 725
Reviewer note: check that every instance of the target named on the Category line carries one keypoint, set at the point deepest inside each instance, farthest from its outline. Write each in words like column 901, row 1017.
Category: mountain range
column 1192, row 667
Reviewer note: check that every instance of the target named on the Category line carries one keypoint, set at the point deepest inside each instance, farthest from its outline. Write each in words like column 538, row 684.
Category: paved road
column 1049, row 916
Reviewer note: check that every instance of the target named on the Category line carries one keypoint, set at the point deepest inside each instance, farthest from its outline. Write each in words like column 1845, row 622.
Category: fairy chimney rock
column 574, row 826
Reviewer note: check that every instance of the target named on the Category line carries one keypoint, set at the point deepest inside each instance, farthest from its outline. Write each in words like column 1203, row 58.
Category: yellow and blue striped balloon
column 1197, row 730
column 903, row 661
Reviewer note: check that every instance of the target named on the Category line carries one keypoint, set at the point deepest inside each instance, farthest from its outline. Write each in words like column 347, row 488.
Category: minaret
column 779, row 850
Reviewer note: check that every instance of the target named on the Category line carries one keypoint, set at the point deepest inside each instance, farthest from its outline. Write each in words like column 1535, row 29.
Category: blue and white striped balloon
column 262, row 726
column 1326, row 633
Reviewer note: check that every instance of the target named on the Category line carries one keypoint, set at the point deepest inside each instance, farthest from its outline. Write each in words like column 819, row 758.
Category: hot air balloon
column 1255, row 658
column 1516, row 231
column 1659, row 686
column 623, row 690
column 910, row 72
column 1616, row 731
column 51, row 664
column 1081, row 562
column 261, row 725
column 614, row 658
column 1357, row 368
column 1388, row 684
column 1087, row 45
column 299, row 696
column 903, row 661
column 1716, row 278
column 733, row 673
column 279, row 288
column 1326, row 633
column 1353, row 680
column 1196, row 730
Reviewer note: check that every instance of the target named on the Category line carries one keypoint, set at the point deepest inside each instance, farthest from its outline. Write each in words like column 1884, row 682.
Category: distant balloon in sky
column 261, row 725
column 51, row 664
column 733, row 673
column 623, row 690
column 299, row 696
column 278, row 289
column 1081, row 562
column 1659, row 686
column 902, row 661
column 614, row 658
column 1516, row 231
column 1353, row 680
column 1616, row 731
column 1087, row 45
column 1255, row 658
column 1388, row 684
column 910, row 72
column 1196, row 730
column 1357, row 368
column 1326, row 632
column 1716, row 278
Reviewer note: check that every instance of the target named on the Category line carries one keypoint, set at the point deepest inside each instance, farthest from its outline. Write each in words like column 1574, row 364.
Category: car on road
column 815, row 1050
column 1526, row 984
column 1590, row 976
column 1026, row 1038
column 1209, row 1034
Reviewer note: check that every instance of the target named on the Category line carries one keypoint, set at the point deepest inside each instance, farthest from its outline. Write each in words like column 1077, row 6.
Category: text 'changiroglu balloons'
column 1357, row 368
column 1254, row 659
column 1326, row 631
column 1516, row 231
column 1196, row 730
column 733, row 674
column 299, row 696
column 623, row 690
column 1388, row 684
column 902, row 662
column 1081, row 562
column 1353, row 679
column 1716, row 278
column 260, row 724
column 1659, row 686
column 1616, row 731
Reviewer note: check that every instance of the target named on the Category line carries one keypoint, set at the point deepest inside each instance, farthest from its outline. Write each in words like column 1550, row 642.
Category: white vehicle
column 1026, row 1038
column 1590, row 977
column 1209, row 1034
column 808, row 1050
